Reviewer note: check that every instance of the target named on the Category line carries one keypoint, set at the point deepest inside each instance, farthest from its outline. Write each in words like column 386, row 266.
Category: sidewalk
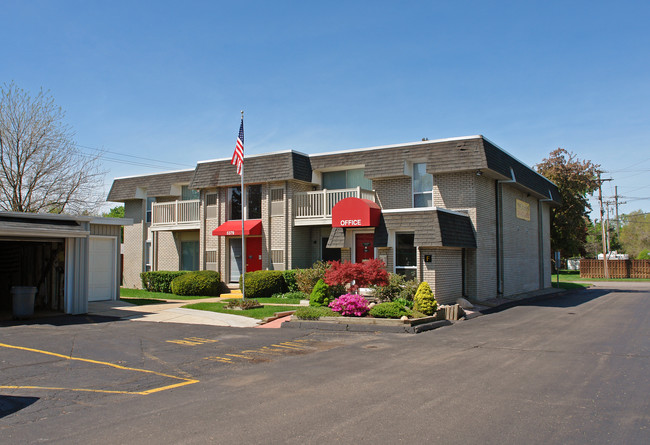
column 169, row 313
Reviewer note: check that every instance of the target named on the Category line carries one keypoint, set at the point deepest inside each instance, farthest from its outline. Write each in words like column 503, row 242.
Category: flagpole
column 243, row 218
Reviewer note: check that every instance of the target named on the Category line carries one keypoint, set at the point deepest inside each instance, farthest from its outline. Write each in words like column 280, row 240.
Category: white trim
column 424, row 209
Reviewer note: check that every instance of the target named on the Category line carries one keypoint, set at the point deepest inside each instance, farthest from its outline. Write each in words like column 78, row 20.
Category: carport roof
column 19, row 225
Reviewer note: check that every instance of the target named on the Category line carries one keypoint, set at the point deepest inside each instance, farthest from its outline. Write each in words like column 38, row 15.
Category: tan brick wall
column 393, row 193
column 168, row 251
column 443, row 273
column 481, row 262
column 520, row 244
column 134, row 243
column 546, row 254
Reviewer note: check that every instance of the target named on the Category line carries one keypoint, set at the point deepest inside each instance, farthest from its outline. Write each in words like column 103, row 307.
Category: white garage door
column 102, row 269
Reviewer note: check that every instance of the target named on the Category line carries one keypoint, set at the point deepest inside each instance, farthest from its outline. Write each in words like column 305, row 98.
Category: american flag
column 238, row 155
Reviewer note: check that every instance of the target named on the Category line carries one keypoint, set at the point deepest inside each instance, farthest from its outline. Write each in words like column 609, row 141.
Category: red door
column 365, row 247
column 253, row 254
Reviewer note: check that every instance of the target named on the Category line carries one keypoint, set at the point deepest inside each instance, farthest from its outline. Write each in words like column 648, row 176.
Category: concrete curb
column 355, row 327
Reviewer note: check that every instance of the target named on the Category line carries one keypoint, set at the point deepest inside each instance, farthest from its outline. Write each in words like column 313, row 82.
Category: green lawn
column 140, row 293
column 259, row 313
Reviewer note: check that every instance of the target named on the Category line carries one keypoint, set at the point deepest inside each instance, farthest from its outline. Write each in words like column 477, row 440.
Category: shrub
column 350, row 305
column 403, row 302
column 320, row 296
column 243, row 304
column 306, row 279
column 644, row 255
column 424, row 300
column 160, row 280
column 297, row 295
column 388, row 310
column 204, row 283
column 396, row 287
column 290, row 280
column 361, row 274
column 263, row 283
column 314, row 313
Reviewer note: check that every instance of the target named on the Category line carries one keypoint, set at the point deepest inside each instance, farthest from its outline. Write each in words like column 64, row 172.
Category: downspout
column 463, row 273
column 499, row 228
column 540, row 229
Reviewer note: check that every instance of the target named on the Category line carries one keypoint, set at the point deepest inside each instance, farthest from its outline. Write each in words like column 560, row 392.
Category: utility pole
column 602, row 223
column 617, row 203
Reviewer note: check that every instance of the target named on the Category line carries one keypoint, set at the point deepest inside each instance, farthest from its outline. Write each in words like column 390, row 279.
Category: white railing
column 176, row 212
column 319, row 203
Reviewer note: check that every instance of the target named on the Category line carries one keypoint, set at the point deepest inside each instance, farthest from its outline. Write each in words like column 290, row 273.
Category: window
column 277, row 202
column 188, row 194
column 211, row 205
column 405, row 255
column 148, row 215
column 147, row 256
column 345, row 179
column 189, row 255
column 422, row 186
column 254, row 194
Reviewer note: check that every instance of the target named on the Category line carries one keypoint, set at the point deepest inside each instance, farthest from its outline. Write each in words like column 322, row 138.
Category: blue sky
column 165, row 81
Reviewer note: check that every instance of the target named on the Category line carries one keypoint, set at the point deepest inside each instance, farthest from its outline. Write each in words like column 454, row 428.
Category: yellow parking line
column 185, row 381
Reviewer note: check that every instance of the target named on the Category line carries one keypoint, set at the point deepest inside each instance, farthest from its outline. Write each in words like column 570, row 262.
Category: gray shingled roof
column 272, row 167
column 157, row 185
column 463, row 154
column 435, row 228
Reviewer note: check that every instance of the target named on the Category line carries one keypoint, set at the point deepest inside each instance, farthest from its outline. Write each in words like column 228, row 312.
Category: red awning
column 233, row 228
column 355, row 212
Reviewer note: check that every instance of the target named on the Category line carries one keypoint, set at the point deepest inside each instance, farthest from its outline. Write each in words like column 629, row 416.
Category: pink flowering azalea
column 350, row 305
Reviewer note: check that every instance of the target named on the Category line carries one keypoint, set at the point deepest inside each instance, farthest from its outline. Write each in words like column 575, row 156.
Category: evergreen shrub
column 160, row 280
column 290, row 280
column 424, row 300
column 203, row 283
column 320, row 295
column 388, row 310
column 264, row 283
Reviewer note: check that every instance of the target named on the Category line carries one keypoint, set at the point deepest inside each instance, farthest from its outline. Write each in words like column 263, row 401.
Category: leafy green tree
column 576, row 179
column 635, row 232
column 115, row 212
column 594, row 241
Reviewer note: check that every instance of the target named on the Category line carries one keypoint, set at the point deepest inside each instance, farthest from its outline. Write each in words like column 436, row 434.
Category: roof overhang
column 233, row 228
column 355, row 212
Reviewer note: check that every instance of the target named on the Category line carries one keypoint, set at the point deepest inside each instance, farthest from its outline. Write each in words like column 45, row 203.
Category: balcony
column 175, row 215
column 315, row 208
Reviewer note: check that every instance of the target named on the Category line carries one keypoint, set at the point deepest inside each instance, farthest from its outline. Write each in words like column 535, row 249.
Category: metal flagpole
column 243, row 218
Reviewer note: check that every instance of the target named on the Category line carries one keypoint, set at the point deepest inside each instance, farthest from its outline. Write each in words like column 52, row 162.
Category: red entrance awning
column 355, row 212
column 233, row 228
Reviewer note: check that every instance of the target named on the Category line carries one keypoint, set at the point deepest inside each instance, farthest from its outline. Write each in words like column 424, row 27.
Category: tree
column 594, row 242
column 635, row 232
column 115, row 212
column 41, row 169
column 575, row 179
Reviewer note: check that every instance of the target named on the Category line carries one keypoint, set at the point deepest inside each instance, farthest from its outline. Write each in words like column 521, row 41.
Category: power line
column 117, row 160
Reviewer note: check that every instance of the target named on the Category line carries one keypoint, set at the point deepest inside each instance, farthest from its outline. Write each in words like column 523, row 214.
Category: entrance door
column 365, row 247
column 253, row 254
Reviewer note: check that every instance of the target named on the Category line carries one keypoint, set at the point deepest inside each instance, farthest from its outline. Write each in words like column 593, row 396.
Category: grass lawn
column 271, row 300
column 260, row 313
column 140, row 293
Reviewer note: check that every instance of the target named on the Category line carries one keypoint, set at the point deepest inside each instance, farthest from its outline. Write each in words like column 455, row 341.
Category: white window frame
column 395, row 265
column 413, row 192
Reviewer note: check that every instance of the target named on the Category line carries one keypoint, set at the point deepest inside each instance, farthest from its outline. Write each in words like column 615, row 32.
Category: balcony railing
column 319, row 203
column 176, row 212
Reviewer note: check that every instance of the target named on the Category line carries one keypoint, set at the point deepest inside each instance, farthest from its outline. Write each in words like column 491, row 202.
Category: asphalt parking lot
column 97, row 355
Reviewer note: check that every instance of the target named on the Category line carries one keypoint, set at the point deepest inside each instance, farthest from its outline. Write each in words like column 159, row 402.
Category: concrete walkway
column 169, row 313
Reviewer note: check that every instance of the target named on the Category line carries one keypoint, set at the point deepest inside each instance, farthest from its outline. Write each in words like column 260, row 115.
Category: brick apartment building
column 460, row 213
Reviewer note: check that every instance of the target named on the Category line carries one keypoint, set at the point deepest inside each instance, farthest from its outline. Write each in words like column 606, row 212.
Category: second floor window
column 254, row 207
column 422, row 186
column 345, row 179
column 188, row 194
column 150, row 201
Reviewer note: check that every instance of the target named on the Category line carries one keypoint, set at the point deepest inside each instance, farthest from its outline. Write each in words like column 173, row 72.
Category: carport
column 69, row 259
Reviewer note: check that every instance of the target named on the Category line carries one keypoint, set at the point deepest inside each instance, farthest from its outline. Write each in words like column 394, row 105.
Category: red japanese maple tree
column 357, row 274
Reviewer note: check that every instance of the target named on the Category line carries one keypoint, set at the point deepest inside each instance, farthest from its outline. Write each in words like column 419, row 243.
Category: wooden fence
column 616, row 268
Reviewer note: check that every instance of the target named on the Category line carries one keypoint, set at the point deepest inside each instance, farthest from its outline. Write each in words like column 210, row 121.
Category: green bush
column 314, row 313
column 404, row 302
column 644, row 255
column 320, row 296
column 242, row 304
column 424, row 300
column 397, row 287
column 263, row 283
column 160, row 280
column 297, row 295
column 388, row 310
column 290, row 280
column 306, row 279
column 204, row 283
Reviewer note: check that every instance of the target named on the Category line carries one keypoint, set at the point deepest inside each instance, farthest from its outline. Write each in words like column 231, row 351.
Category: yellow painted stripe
column 185, row 381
